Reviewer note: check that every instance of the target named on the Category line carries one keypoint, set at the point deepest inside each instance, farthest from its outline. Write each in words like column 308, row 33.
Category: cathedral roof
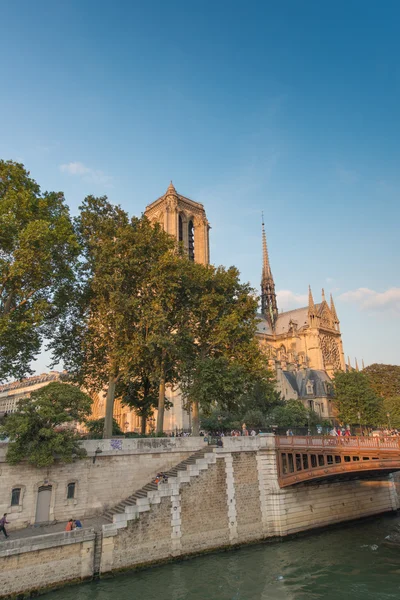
column 322, row 383
column 299, row 316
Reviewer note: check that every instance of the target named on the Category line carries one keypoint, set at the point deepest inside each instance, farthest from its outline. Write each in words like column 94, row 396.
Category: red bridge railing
column 310, row 441
column 303, row 458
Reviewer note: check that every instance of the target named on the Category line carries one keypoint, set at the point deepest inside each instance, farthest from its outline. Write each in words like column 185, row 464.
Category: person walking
column 3, row 522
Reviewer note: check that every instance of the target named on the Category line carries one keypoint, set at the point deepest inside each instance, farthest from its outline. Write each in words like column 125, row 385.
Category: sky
column 291, row 108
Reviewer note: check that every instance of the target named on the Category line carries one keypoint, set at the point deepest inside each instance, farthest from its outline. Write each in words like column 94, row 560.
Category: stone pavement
column 89, row 523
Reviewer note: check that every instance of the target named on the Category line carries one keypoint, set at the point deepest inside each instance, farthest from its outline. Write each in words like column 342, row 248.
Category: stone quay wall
column 39, row 563
column 237, row 500
column 226, row 498
column 113, row 470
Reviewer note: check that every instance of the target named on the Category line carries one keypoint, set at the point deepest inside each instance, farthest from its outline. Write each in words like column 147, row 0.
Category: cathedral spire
column 362, row 362
column 357, row 369
column 269, row 306
column 323, row 295
column 171, row 190
column 333, row 310
column 348, row 362
column 311, row 305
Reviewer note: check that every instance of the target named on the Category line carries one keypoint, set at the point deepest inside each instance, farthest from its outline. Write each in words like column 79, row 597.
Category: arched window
column 191, row 240
column 15, row 496
column 71, row 491
column 180, row 229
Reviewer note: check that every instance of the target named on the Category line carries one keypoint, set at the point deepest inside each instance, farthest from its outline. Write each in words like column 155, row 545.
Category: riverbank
column 348, row 561
column 218, row 498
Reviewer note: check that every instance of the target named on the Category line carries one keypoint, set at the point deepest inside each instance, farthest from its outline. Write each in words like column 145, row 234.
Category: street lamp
column 359, row 420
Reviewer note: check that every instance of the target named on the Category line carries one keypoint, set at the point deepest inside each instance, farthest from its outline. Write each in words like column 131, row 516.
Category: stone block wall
column 204, row 510
column 46, row 561
column 309, row 506
column 247, row 496
column 101, row 480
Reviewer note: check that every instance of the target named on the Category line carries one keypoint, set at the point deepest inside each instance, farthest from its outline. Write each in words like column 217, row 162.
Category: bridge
column 308, row 458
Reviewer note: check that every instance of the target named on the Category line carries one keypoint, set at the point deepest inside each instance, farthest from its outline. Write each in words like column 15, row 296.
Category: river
column 352, row 562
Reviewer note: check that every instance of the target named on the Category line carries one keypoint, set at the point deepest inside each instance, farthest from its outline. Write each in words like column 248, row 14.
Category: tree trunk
column 108, row 421
column 195, row 418
column 161, row 398
column 161, row 404
column 143, row 423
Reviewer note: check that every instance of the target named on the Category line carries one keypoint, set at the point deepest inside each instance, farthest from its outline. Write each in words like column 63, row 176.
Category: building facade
column 304, row 345
column 11, row 393
column 185, row 220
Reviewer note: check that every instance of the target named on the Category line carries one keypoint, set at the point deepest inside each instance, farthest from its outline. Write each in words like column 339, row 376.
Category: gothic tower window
column 191, row 240
column 180, row 229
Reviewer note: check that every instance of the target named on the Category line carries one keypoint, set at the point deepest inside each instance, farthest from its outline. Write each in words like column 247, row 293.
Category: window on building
column 180, row 229
column 191, row 240
column 15, row 496
column 71, row 491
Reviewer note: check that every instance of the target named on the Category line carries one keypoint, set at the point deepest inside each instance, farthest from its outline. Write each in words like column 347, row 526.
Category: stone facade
column 185, row 220
column 112, row 470
column 11, row 392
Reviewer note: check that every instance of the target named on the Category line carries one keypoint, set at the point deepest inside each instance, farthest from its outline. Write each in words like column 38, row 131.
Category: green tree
column 141, row 394
column 95, row 428
column 391, row 412
column 384, row 379
column 125, row 304
column 38, row 253
column 355, row 399
column 289, row 414
column 42, row 430
column 221, row 359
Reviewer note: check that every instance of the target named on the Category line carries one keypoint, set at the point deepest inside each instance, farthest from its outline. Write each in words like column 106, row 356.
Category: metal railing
column 309, row 441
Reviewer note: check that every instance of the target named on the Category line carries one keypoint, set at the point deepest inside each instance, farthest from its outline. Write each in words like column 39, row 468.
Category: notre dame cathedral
column 304, row 345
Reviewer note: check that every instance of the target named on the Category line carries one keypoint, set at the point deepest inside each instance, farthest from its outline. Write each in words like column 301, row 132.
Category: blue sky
column 290, row 107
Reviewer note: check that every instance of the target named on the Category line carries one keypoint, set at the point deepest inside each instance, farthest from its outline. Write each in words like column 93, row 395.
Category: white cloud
column 368, row 299
column 288, row 300
column 88, row 174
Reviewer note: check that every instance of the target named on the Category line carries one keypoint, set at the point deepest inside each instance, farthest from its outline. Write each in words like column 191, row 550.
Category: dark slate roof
column 298, row 316
column 298, row 381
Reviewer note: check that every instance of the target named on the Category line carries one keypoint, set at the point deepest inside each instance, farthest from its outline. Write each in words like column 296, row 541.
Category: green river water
column 352, row 562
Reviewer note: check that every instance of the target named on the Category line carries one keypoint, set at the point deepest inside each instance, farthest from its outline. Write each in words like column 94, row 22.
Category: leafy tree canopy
column 292, row 413
column 41, row 431
column 38, row 252
column 123, row 322
column 391, row 412
column 221, row 359
column 355, row 399
column 384, row 379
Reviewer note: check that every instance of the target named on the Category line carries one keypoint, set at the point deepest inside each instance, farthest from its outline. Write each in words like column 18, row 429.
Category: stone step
column 151, row 493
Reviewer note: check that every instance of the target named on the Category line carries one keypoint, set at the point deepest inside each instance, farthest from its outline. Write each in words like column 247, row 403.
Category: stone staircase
column 151, row 493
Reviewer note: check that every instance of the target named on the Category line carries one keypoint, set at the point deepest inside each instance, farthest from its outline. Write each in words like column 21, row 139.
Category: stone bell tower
column 185, row 220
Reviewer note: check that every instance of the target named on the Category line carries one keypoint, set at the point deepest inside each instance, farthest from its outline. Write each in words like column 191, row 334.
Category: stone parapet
column 41, row 542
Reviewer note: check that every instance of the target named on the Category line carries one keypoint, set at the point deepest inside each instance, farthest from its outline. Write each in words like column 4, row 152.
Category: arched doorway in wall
column 191, row 239
column 43, row 504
